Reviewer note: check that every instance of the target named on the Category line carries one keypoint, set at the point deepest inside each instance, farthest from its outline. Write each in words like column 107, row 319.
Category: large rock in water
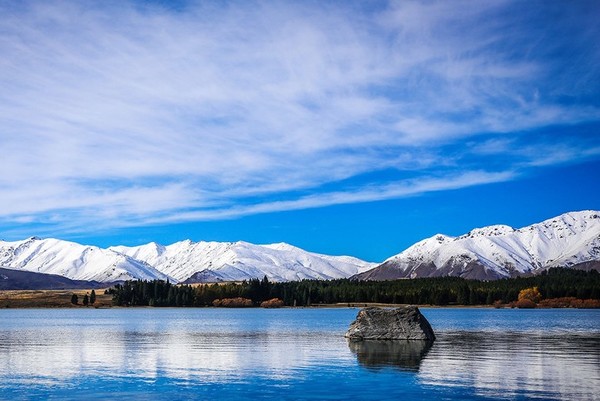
column 406, row 323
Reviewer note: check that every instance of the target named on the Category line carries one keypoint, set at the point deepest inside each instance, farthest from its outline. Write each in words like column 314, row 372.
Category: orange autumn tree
column 531, row 294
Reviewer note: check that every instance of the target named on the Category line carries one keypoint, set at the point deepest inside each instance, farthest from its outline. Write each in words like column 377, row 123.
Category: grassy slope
column 49, row 298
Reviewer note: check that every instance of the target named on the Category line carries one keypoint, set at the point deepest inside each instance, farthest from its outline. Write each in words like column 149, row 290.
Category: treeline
column 152, row 293
column 441, row 290
column 555, row 283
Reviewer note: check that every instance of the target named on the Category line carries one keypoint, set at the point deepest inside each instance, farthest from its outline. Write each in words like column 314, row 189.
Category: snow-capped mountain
column 499, row 251
column 72, row 260
column 571, row 240
column 236, row 261
column 183, row 261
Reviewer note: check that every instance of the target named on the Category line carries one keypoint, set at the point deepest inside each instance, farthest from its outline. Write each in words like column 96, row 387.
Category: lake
column 294, row 354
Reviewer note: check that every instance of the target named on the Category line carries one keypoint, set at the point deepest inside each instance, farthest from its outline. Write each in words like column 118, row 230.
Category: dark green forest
column 555, row 283
column 152, row 293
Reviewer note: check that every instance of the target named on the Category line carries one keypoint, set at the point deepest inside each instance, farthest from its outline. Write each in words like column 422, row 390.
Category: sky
column 342, row 127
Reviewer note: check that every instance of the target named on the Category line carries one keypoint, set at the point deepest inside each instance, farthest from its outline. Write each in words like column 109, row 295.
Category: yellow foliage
column 233, row 302
column 272, row 303
column 525, row 304
column 532, row 294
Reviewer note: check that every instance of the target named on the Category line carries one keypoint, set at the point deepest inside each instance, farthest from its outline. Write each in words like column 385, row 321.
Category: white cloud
column 368, row 194
column 144, row 114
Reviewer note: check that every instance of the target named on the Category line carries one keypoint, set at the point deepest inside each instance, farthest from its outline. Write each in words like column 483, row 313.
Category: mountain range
column 499, row 251
column 191, row 262
column 184, row 261
column 493, row 252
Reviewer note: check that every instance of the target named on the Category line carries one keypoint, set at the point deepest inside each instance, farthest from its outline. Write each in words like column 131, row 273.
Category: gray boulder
column 406, row 323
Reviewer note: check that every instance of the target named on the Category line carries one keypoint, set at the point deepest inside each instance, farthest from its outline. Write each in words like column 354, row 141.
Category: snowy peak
column 72, row 260
column 149, row 251
column 565, row 240
column 178, row 262
column 566, row 225
column 282, row 246
column 441, row 238
column 500, row 251
column 489, row 231
column 237, row 261
column 423, row 247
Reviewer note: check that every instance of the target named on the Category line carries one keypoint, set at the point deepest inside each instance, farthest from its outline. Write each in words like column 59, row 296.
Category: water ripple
column 294, row 354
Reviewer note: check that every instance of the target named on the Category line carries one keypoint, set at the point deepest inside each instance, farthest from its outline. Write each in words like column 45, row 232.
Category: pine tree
column 462, row 296
column 86, row 300
column 74, row 299
column 171, row 295
column 93, row 297
column 473, row 297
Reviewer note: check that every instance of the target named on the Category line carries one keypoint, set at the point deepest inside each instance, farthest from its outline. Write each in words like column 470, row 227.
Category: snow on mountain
column 572, row 239
column 236, row 261
column 72, row 260
column 500, row 251
column 205, row 261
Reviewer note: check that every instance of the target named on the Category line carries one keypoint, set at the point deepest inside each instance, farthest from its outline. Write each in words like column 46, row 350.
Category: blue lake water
column 294, row 354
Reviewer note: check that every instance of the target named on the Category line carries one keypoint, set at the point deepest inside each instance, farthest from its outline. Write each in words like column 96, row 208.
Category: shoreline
column 61, row 299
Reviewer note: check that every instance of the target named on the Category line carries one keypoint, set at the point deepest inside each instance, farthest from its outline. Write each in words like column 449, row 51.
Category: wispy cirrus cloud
column 365, row 194
column 144, row 114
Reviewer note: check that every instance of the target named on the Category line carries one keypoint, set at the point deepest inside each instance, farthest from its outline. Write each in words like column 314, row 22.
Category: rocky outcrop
column 406, row 323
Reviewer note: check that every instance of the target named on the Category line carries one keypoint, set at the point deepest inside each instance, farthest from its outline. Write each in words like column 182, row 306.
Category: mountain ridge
column 237, row 261
column 492, row 252
column 73, row 260
column 183, row 261
column 499, row 251
column 12, row 279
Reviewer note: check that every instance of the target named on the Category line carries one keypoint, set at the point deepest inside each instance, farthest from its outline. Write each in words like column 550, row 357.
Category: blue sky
column 339, row 127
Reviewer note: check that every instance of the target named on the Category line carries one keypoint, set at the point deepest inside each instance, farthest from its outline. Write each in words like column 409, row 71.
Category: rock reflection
column 405, row 355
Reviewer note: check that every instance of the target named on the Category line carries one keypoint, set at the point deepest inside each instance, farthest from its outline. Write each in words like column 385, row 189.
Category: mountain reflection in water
column 403, row 354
